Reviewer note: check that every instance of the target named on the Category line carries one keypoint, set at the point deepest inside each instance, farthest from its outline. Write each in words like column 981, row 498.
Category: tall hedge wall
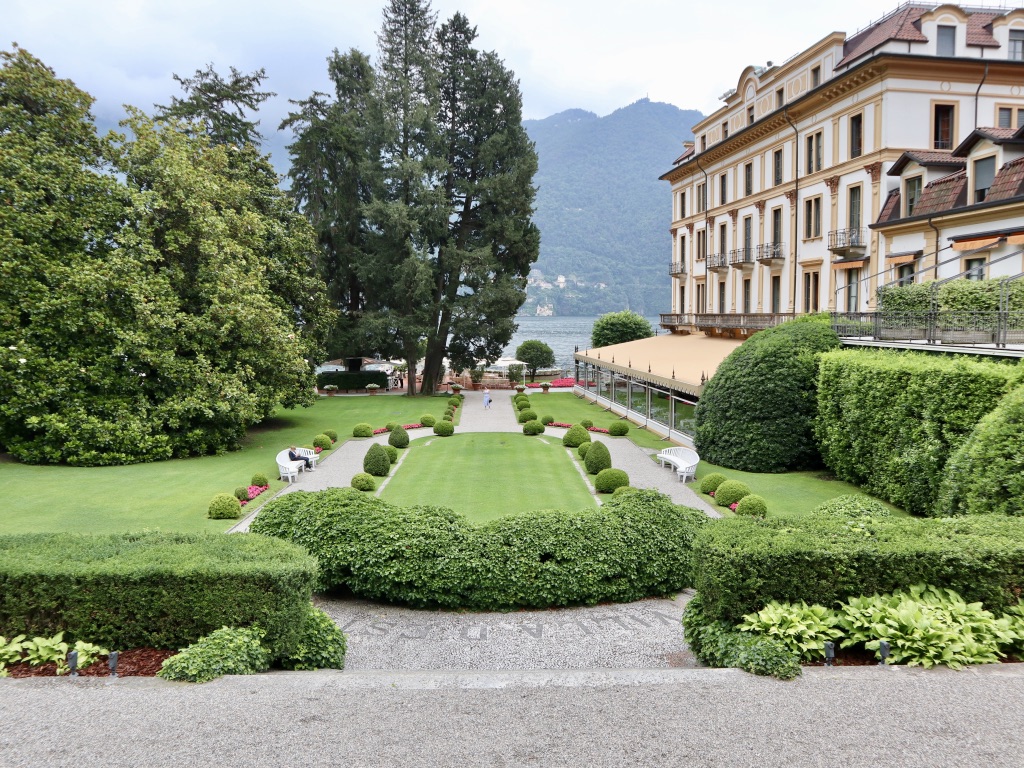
column 757, row 412
column 155, row 589
column 954, row 296
column 741, row 564
column 635, row 546
column 888, row 421
column 352, row 379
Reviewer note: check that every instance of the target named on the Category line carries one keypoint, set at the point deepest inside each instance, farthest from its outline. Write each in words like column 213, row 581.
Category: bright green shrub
column 224, row 506
column 711, row 482
column 323, row 442
column 392, row 453
column 321, row 644
column 914, row 298
column 586, row 423
column 449, row 417
column 597, row 458
column 444, row 429
column 158, row 590
column 362, row 430
column 618, row 428
column 608, row 480
column 624, row 489
column 390, row 425
column 241, row 493
column 757, row 411
column 399, row 438
column 533, row 428
column 331, row 434
column 454, row 402
column 427, row 420
column 376, row 461
column 889, row 421
column 752, row 505
column 583, row 448
column 259, row 479
column 803, row 629
column 527, row 415
column 546, row 420
column 852, row 506
column 523, row 405
column 575, row 436
column 730, row 492
column 986, row 474
column 363, row 481
column 226, row 651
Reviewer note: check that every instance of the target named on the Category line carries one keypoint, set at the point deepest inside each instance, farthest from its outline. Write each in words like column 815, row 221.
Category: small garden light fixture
column 112, row 663
column 73, row 663
column 830, row 653
column 883, row 653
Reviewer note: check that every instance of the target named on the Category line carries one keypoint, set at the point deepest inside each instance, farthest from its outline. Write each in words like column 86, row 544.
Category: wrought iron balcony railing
column 846, row 239
column 677, row 268
column 718, row 260
column 741, row 256
column 945, row 327
column 742, row 321
column 771, row 251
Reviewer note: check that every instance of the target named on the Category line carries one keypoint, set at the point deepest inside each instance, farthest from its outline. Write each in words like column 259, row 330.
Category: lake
column 562, row 334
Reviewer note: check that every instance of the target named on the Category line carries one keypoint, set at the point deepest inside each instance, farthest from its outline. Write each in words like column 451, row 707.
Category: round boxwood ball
column 710, row 483
column 752, row 506
column 597, row 458
column 224, row 506
column 427, row 420
column 362, row 481
column 392, row 453
column 259, row 479
column 362, row 430
column 586, row 423
column 399, row 438
column 730, row 492
column 522, row 407
column 242, row 493
column 331, row 434
column 533, row 427
column 527, row 415
column 575, row 436
column 323, row 442
column 851, row 506
column 390, row 425
column 448, row 417
column 546, row 420
column 618, row 428
column 622, row 490
column 454, row 402
column 608, row 480
column 444, row 429
column 376, row 461
column 583, row 448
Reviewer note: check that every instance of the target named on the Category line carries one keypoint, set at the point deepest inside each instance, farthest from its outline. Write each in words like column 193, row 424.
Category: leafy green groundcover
column 153, row 589
column 635, row 546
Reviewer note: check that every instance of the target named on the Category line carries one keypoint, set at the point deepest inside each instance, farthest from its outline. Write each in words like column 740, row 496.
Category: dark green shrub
column 586, row 423
column 851, row 506
column 752, row 505
column 399, row 438
column 618, row 428
column 444, row 429
column 390, row 425
column 527, row 415
column 392, row 453
column 597, row 458
column 321, row 644
column 331, row 434
column 242, row 493
column 914, row 298
column 889, row 421
column 575, row 436
column 363, row 481
column 710, row 483
column 376, row 461
column 352, row 379
column 730, row 492
column 533, row 428
column 259, row 479
column 362, row 430
column 583, row 448
column 323, row 442
column 546, row 420
column 608, row 480
column 427, row 420
column 448, row 417
column 523, row 405
column 986, row 474
column 757, row 411
column 454, row 402
column 226, row 651
column 224, row 506
column 158, row 590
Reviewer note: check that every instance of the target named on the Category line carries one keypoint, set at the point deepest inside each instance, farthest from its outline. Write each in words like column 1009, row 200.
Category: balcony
column 771, row 253
column 718, row 262
column 742, row 257
column 677, row 268
column 748, row 322
column 673, row 321
column 847, row 242
column 1000, row 329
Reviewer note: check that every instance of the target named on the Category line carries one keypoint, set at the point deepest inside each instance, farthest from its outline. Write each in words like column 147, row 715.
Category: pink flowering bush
column 254, row 491
column 317, row 449
column 734, row 505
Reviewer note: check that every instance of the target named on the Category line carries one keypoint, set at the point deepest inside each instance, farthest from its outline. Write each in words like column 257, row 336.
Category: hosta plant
column 802, row 628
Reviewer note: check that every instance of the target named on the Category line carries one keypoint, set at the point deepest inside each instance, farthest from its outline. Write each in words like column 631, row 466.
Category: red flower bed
column 564, row 382
column 559, row 424
column 597, row 429
column 380, row 430
column 411, row 426
column 254, row 491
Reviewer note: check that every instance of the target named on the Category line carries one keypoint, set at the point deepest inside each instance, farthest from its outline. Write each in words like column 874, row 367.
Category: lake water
column 562, row 334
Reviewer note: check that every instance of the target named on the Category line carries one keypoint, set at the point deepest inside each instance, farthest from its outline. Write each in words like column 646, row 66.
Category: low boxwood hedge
column 533, row 428
column 162, row 590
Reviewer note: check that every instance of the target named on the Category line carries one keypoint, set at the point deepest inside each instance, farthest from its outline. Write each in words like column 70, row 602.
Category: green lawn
column 174, row 495
column 569, row 409
column 487, row 475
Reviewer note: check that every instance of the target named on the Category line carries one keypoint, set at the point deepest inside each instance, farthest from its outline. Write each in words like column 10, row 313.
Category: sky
column 597, row 55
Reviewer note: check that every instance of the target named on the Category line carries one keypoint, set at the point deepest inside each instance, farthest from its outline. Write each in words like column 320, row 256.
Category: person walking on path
column 487, row 399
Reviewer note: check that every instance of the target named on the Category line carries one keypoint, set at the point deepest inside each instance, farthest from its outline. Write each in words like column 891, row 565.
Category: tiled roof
column 1009, row 182
column 979, row 29
column 891, row 209
column 902, row 25
column 928, row 158
column 943, row 194
column 996, row 135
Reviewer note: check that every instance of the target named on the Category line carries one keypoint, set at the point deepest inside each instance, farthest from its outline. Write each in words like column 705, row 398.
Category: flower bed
column 254, row 491
column 602, row 430
column 567, row 382
column 560, row 424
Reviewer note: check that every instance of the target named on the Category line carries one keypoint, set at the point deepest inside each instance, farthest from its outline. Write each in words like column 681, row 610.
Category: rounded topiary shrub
column 622, row 490
column 583, row 448
column 586, row 423
column 448, row 417
column 710, row 483
column 523, row 405
column 757, row 412
column 597, row 458
column 608, row 480
column 427, row 420
column 752, row 506
column 851, row 506
column 323, row 442
column 533, row 427
column 331, row 434
column 390, row 425
column 399, row 438
column 444, row 429
column 730, row 492
column 527, row 415
column 363, row 481
column 575, row 436
column 618, row 428
column 546, row 420
column 362, row 430
column 376, row 461
column 224, row 506
column 392, row 453
column 241, row 493
column 454, row 402
column 259, row 479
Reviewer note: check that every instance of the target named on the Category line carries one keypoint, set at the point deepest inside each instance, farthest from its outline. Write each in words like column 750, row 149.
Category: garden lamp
column 73, row 663
column 830, row 653
column 112, row 663
column 883, row 652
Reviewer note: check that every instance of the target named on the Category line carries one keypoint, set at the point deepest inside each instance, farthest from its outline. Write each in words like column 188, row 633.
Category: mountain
column 603, row 214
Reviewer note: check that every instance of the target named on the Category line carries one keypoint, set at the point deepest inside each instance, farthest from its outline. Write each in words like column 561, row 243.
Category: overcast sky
column 597, row 55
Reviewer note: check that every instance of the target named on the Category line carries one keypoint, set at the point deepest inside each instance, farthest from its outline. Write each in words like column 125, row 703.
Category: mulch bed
column 138, row 662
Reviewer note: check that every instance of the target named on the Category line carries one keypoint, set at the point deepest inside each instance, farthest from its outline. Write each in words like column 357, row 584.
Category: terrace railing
column 940, row 327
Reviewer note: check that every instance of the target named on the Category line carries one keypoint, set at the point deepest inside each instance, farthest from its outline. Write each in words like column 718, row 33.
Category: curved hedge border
column 636, row 545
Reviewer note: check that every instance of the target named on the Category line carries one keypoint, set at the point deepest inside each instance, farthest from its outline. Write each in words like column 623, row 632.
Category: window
column 702, row 244
column 776, row 293
column 746, row 295
column 748, row 233
column 984, row 173
column 852, row 289
column 1010, row 117
column 748, row 179
column 703, row 142
column 812, row 218
column 942, row 126
column 854, row 218
column 1016, row 49
column 975, row 268
column 777, row 167
column 780, row 98
column 702, row 197
column 682, row 249
column 811, row 282
column 815, row 153
column 750, row 115
column 722, row 233
column 815, row 78
column 856, row 136
column 721, row 297
column 946, row 43
column 723, row 189
column 905, row 274
column 913, row 194
column 701, row 298
column 725, row 130
column 682, row 205
column 776, row 226
column 682, row 297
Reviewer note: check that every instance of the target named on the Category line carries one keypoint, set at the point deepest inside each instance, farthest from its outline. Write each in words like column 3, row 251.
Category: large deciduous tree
column 535, row 354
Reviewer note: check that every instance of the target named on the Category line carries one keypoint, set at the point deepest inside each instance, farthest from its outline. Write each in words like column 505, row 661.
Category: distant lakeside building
column 895, row 155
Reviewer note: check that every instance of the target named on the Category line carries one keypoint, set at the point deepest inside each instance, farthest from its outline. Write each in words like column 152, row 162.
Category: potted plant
column 456, row 388
column 476, row 375
column 545, row 386
column 520, row 388
column 372, row 388
column 331, row 389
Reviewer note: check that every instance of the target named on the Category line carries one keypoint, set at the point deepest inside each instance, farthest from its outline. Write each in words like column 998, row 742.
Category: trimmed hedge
column 392, row 453
column 362, row 430
column 323, row 442
column 398, row 438
column 757, row 412
column 889, row 421
column 618, row 428
column 226, row 651
column 376, row 461
column 583, row 448
column 224, row 506
column 363, row 481
column 352, row 379
column 533, row 428
column 852, row 506
column 161, row 590
column 610, row 480
column 427, row 420
column 527, row 415
column 741, row 564
column 730, row 492
column 752, row 505
column 710, row 483
column 444, row 429
column 575, row 436
column 636, row 545
column 597, row 458
column 545, row 420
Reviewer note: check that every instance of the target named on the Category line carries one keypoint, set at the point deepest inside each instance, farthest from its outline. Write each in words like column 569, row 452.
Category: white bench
column 288, row 469
column 683, row 460
column 310, row 454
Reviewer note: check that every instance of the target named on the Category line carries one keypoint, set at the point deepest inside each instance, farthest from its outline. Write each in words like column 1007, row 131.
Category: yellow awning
column 976, row 244
column 848, row 264
column 1016, row 239
column 905, row 259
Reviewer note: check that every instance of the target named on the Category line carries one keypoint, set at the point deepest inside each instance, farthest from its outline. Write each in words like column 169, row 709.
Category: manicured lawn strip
column 174, row 495
column 486, row 475
column 569, row 409
column 790, row 494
